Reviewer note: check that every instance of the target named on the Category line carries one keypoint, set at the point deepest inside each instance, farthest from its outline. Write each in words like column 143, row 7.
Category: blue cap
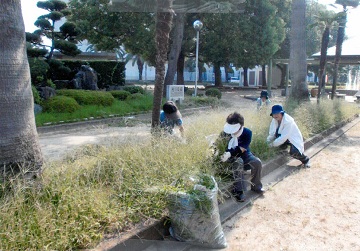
column 277, row 109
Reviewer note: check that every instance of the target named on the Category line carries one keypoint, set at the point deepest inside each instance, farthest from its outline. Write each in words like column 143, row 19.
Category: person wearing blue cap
column 284, row 132
column 239, row 155
column 263, row 100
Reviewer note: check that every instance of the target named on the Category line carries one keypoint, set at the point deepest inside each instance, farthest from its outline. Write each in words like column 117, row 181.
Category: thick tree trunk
column 217, row 72
column 163, row 26
column 246, row 82
column 177, row 38
column 298, row 65
column 19, row 145
column 180, row 69
column 323, row 55
column 339, row 42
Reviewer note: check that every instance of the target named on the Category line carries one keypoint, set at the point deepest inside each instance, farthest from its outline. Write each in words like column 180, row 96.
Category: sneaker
column 258, row 190
column 307, row 164
column 239, row 196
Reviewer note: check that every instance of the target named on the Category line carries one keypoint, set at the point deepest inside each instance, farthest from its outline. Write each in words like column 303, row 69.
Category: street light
column 197, row 26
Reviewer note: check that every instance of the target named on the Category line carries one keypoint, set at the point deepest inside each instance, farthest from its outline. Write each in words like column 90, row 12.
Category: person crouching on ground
column 284, row 132
column 170, row 117
column 240, row 157
column 263, row 100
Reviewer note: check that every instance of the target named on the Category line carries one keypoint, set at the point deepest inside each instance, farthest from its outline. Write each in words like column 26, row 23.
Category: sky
column 31, row 12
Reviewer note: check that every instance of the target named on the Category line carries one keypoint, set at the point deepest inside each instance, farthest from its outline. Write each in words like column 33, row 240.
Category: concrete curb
column 156, row 235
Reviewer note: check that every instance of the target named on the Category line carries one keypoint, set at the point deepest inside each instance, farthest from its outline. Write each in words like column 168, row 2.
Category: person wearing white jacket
column 284, row 132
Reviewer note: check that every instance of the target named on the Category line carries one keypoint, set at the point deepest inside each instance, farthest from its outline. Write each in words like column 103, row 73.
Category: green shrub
column 213, row 92
column 189, row 92
column 38, row 70
column 135, row 96
column 134, row 89
column 120, row 94
column 86, row 97
column 37, row 99
column 61, row 104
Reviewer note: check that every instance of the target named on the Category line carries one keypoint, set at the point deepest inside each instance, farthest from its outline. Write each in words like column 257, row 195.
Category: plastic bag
column 195, row 217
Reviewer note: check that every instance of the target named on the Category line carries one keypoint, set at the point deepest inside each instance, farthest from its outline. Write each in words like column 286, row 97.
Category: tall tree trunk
column 246, row 82
column 283, row 74
column 180, row 69
column 19, row 144
column 323, row 54
column 263, row 75
column 140, row 65
column 217, row 72
column 177, row 38
column 339, row 42
column 298, row 65
column 162, row 30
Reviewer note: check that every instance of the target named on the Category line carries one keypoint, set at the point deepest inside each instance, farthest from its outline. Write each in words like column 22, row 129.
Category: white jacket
column 288, row 130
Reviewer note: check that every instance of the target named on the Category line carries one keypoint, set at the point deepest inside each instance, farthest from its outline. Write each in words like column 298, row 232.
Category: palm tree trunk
column 163, row 26
column 339, row 42
column 298, row 65
column 323, row 55
column 19, row 144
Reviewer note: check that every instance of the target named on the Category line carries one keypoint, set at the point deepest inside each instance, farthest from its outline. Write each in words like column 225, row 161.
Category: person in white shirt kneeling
column 284, row 132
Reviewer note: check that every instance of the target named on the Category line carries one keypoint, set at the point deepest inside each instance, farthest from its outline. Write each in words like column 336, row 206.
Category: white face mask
column 238, row 133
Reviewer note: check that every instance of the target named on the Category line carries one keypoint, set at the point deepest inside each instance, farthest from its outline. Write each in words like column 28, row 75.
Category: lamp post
column 197, row 26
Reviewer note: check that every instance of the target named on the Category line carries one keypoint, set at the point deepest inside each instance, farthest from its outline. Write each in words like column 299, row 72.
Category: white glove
column 271, row 144
column 225, row 156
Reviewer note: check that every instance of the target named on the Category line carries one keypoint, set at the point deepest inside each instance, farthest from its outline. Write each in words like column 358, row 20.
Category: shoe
column 239, row 196
column 258, row 190
column 307, row 164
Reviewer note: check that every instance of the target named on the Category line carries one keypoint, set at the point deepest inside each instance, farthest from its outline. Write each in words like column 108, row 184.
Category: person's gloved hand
column 225, row 156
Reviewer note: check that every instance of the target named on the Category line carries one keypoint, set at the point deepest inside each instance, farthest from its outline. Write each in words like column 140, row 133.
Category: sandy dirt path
column 314, row 209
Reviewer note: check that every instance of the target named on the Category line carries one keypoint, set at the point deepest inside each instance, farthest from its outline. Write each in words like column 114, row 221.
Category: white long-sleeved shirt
column 288, row 130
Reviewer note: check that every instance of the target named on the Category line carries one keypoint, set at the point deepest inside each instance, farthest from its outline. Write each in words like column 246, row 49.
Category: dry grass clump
column 103, row 190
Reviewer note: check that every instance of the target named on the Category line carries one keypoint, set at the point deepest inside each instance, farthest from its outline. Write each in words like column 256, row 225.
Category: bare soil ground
column 314, row 209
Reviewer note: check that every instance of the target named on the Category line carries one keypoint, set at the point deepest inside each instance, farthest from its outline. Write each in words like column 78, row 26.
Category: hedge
column 86, row 97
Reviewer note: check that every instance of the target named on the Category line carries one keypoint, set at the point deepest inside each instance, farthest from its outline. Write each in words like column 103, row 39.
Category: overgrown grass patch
column 102, row 190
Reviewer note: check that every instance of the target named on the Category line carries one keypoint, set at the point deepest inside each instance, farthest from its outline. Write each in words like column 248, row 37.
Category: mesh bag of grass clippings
column 195, row 216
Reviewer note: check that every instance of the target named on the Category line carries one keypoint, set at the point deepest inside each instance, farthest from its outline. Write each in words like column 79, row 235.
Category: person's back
column 170, row 117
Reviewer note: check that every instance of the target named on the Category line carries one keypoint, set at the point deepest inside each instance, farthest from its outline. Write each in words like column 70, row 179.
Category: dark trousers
column 295, row 153
column 238, row 168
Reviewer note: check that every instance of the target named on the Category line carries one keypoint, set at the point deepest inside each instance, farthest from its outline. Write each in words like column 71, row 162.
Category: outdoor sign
column 175, row 92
